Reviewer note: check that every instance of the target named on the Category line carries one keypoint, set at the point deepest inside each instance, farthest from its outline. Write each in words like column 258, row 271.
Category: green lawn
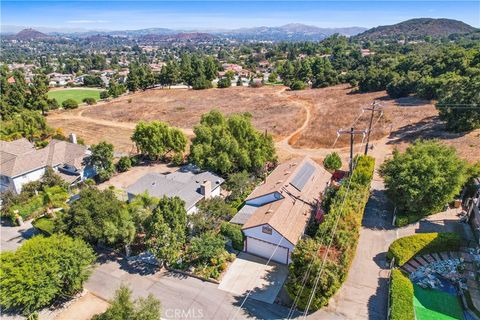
column 75, row 94
column 436, row 305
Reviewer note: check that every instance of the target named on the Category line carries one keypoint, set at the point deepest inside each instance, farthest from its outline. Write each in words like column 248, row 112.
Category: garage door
column 265, row 250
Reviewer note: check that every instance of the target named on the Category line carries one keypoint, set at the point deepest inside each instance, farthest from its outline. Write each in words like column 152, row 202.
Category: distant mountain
column 30, row 34
column 418, row 28
column 178, row 37
column 293, row 31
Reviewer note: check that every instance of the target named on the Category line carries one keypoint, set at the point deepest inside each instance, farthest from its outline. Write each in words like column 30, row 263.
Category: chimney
column 73, row 138
column 206, row 189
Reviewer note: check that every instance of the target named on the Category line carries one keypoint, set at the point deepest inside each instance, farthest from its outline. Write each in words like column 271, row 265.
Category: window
column 267, row 230
column 4, row 180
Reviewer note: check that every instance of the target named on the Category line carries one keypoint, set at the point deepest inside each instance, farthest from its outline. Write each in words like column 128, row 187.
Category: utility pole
column 373, row 109
column 352, row 134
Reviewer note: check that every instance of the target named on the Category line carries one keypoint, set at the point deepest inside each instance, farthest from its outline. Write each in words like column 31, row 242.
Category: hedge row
column 350, row 207
column 401, row 297
column 405, row 248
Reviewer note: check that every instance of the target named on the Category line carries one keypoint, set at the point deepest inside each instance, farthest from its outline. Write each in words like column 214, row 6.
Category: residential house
column 189, row 184
column 473, row 209
column 22, row 163
column 275, row 215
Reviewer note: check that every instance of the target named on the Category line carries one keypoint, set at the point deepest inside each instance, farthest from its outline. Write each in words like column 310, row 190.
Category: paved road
column 12, row 237
column 181, row 297
column 365, row 292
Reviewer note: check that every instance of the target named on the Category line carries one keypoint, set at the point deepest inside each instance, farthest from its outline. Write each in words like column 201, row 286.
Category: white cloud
column 86, row 21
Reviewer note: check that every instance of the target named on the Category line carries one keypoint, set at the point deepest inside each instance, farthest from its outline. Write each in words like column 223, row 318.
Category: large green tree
column 165, row 229
column 98, row 217
column 459, row 104
column 424, row 178
column 43, row 270
column 230, row 144
column 157, row 139
column 102, row 160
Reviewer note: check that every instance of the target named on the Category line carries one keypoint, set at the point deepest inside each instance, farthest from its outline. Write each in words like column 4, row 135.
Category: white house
column 275, row 215
column 189, row 183
column 22, row 163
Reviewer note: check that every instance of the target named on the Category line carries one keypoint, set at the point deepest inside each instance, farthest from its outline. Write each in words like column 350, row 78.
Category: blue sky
column 121, row 15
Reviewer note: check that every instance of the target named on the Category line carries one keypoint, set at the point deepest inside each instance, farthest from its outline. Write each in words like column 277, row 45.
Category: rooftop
column 184, row 183
column 300, row 182
column 20, row 156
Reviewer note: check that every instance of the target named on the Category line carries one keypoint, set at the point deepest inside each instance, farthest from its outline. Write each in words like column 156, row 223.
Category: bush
column 123, row 307
column 332, row 162
column 45, row 225
column 33, row 207
column 224, row 83
column 234, row 233
column 104, row 95
column 298, row 85
column 90, row 101
column 401, row 297
column 70, row 104
column 405, row 248
column 43, row 270
column 123, row 164
column 348, row 210
column 178, row 159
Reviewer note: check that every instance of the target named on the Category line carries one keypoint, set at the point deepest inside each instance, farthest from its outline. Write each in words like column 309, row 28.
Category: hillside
column 28, row 34
column 292, row 32
column 418, row 28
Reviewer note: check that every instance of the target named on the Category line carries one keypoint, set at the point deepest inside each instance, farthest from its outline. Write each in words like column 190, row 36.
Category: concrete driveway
column 249, row 272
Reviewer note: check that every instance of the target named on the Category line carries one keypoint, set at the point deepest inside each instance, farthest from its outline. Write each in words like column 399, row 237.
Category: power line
column 373, row 109
column 329, row 246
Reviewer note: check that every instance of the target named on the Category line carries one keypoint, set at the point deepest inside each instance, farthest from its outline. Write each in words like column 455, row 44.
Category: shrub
column 405, row 248
column 45, row 225
column 177, row 159
column 401, row 297
column 70, row 104
column 332, row 162
column 298, row 85
column 104, row 95
column 43, row 270
column 347, row 207
column 224, row 83
column 123, row 307
column 234, row 233
column 90, row 101
column 123, row 164
column 31, row 208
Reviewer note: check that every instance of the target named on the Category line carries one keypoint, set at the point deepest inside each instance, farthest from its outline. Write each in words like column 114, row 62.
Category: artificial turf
column 75, row 94
column 436, row 305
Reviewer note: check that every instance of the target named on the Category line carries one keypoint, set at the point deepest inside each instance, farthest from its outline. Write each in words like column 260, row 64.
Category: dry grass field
column 304, row 120
column 271, row 109
column 335, row 107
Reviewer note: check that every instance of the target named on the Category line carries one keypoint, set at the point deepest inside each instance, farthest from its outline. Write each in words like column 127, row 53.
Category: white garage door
column 265, row 250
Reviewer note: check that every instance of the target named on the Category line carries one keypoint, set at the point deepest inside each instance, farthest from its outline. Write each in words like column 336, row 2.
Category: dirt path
column 77, row 114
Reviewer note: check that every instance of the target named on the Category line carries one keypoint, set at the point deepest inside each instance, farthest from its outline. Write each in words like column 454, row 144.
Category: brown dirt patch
column 272, row 110
column 93, row 133
column 335, row 108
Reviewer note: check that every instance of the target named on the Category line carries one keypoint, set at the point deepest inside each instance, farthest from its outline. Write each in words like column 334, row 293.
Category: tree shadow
column 427, row 128
column 378, row 213
column 130, row 266
column 378, row 303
